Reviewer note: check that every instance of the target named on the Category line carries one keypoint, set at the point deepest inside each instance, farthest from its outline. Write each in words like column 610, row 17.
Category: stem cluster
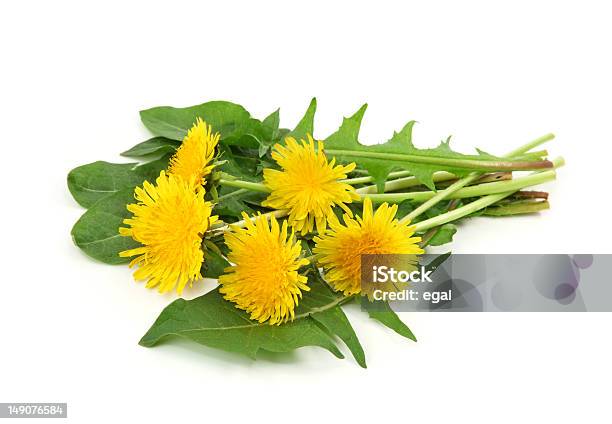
column 490, row 183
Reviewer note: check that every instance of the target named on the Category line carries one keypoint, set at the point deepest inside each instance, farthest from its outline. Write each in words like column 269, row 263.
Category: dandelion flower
column 193, row 157
column 264, row 280
column 339, row 250
column 308, row 186
column 169, row 221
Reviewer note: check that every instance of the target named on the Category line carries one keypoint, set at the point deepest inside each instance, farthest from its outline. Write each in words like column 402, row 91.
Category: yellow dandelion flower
column 339, row 251
column 264, row 280
column 193, row 157
column 169, row 221
column 308, row 186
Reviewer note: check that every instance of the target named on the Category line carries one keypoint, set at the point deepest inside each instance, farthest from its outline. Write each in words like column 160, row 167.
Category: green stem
column 457, row 191
column 471, row 178
column 369, row 179
column 458, row 213
column 407, row 182
column 438, row 177
column 441, row 195
column 244, row 184
column 474, row 164
column 242, row 223
column 472, row 207
column 232, row 194
column 531, row 145
column 539, row 154
column 495, row 176
column 517, row 208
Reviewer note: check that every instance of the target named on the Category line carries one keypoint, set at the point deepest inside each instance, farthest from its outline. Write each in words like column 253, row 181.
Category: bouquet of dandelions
column 281, row 220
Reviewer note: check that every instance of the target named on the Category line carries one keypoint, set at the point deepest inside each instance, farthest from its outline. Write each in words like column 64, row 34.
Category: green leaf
column 271, row 124
column 271, row 127
column 344, row 144
column 435, row 263
column 92, row 182
column 241, row 167
column 335, row 321
column 97, row 231
column 212, row 321
column 214, row 264
column 317, row 302
column 306, row 124
column 232, row 201
column 404, row 208
column 155, row 145
column 382, row 312
column 233, row 207
column 443, row 235
column 231, row 120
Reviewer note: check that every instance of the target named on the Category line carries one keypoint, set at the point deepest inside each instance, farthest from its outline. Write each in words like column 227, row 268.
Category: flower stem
column 470, row 208
column 244, row 184
column 531, row 145
column 539, row 154
column 232, row 194
column 517, row 208
column 471, row 178
column 407, row 182
column 457, row 191
column 458, row 213
column 369, row 178
column 474, row 164
column 242, row 223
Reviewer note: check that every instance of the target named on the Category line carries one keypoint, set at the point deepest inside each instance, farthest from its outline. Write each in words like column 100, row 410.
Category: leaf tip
column 147, row 341
column 362, row 109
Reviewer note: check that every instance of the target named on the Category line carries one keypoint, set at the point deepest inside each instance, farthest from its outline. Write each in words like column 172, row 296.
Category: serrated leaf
column 92, row 182
column 382, row 312
column 155, row 145
column 235, row 124
column 213, row 321
column 306, row 124
column 346, row 140
column 97, row 231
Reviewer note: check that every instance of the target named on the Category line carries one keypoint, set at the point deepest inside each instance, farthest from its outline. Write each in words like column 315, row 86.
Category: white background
column 75, row 74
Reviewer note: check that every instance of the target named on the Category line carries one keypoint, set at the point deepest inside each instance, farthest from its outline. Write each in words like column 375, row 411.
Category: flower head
column 308, row 186
column 169, row 220
column 264, row 280
column 193, row 157
column 339, row 251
